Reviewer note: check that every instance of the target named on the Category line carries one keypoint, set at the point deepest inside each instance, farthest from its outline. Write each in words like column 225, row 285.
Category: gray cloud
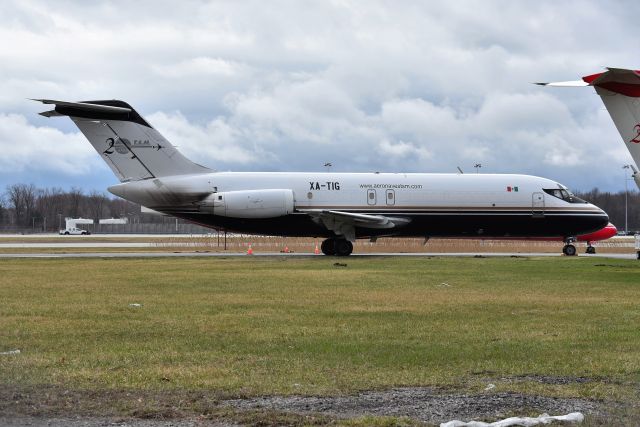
column 287, row 85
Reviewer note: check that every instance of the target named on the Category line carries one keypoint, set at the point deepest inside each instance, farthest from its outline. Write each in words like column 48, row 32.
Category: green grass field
column 255, row 326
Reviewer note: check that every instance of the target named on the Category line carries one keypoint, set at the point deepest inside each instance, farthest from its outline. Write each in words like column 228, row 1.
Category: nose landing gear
column 338, row 247
column 590, row 248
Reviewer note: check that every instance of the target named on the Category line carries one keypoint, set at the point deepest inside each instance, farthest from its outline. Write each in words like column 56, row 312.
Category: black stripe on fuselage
column 432, row 224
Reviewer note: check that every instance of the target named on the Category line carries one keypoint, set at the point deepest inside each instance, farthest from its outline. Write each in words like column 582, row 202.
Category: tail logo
column 111, row 143
column 119, row 146
column 124, row 146
column 636, row 139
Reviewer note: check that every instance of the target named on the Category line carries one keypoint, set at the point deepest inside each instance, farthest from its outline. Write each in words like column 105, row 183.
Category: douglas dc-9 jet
column 340, row 207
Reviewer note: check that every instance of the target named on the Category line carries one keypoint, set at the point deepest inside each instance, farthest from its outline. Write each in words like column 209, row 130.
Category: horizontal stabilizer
column 95, row 110
column 51, row 113
column 571, row 83
column 85, row 106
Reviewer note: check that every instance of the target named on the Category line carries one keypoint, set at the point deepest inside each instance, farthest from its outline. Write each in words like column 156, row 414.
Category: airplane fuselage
column 425, row 205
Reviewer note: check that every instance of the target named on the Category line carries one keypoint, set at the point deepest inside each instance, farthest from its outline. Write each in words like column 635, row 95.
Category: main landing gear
column 339, row 247
column 590, row 249
column 569, row 249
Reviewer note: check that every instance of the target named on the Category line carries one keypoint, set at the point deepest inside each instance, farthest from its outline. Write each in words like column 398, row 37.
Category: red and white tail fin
column 620, row 91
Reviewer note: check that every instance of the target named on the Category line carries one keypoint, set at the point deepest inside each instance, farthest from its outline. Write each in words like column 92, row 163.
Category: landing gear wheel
column 569, row 250
column 328, row 247
column 591, row 250
column 343, row 247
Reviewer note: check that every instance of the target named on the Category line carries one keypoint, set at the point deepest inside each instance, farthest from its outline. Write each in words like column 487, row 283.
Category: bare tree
column 75, row 198
column 96, row 202
column 22, row 198
column 3, row 211
column 51, row 206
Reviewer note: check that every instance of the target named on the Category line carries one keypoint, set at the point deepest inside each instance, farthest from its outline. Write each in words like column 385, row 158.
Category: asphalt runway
column 279, row 254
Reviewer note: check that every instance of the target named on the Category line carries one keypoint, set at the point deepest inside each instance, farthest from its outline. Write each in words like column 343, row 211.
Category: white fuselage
column 426, row 200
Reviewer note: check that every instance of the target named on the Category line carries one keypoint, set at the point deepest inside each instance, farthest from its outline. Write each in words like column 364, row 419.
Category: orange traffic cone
column 250, row 250
column 316, row 250
column 286, row 249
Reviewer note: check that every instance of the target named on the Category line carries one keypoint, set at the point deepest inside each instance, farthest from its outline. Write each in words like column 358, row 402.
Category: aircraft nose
column 602, row 217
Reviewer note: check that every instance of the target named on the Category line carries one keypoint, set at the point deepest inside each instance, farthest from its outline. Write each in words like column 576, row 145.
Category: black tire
column 591, row 250
column 66, row 233
column 569, row 250
column 343, row 247
column 328, row 247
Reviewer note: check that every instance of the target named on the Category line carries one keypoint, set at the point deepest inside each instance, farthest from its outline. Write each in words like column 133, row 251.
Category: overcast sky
column 390, row 86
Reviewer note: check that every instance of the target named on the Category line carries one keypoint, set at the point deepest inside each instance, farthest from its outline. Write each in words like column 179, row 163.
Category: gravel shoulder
column 53, row 407
column 423, row 404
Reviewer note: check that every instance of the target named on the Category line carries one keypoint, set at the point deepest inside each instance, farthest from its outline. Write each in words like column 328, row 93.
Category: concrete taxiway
column 77, row 245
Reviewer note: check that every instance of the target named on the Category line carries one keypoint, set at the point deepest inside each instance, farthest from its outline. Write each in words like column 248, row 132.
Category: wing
column 345, row 223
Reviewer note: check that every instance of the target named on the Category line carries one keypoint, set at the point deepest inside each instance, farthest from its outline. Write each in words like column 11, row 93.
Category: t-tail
column 620, row 91
column 131, row 147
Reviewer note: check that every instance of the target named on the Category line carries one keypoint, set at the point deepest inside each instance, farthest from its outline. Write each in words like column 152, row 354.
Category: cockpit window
column 563, row 194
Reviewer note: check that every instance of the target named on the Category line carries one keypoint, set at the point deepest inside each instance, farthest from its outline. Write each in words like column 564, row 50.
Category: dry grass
column 388, row 245
column 255, row 326
column 240, row 243
column 288, row 326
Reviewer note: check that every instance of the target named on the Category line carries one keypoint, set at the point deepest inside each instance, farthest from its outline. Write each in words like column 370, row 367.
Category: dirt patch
column 55, row 406
column 424, row 404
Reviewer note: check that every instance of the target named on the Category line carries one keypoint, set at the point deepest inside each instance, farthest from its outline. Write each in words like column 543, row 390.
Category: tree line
column 27, row 207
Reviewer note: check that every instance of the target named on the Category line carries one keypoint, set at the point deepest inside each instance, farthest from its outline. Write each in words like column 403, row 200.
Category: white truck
column 74, row 231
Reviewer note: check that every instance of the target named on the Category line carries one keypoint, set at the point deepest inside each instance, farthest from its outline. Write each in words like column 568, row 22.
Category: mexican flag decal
column 510, row 189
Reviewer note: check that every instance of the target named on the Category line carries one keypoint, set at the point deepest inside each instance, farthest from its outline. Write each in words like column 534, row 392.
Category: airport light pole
column 626, row 197
column 478, row 166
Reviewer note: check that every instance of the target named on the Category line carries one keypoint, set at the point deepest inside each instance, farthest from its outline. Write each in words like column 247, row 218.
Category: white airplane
column 338, row 206
column 620, row 91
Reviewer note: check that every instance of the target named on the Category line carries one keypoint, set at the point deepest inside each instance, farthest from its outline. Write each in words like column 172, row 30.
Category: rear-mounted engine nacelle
column 249, row 203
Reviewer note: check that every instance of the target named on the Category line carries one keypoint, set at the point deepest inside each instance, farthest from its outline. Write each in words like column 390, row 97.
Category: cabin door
column 537, row 205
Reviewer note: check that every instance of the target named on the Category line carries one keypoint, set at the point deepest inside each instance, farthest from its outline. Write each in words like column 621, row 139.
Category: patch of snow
column 574, row 417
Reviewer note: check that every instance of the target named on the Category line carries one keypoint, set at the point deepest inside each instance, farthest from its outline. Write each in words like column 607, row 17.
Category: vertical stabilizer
column 131, row 147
